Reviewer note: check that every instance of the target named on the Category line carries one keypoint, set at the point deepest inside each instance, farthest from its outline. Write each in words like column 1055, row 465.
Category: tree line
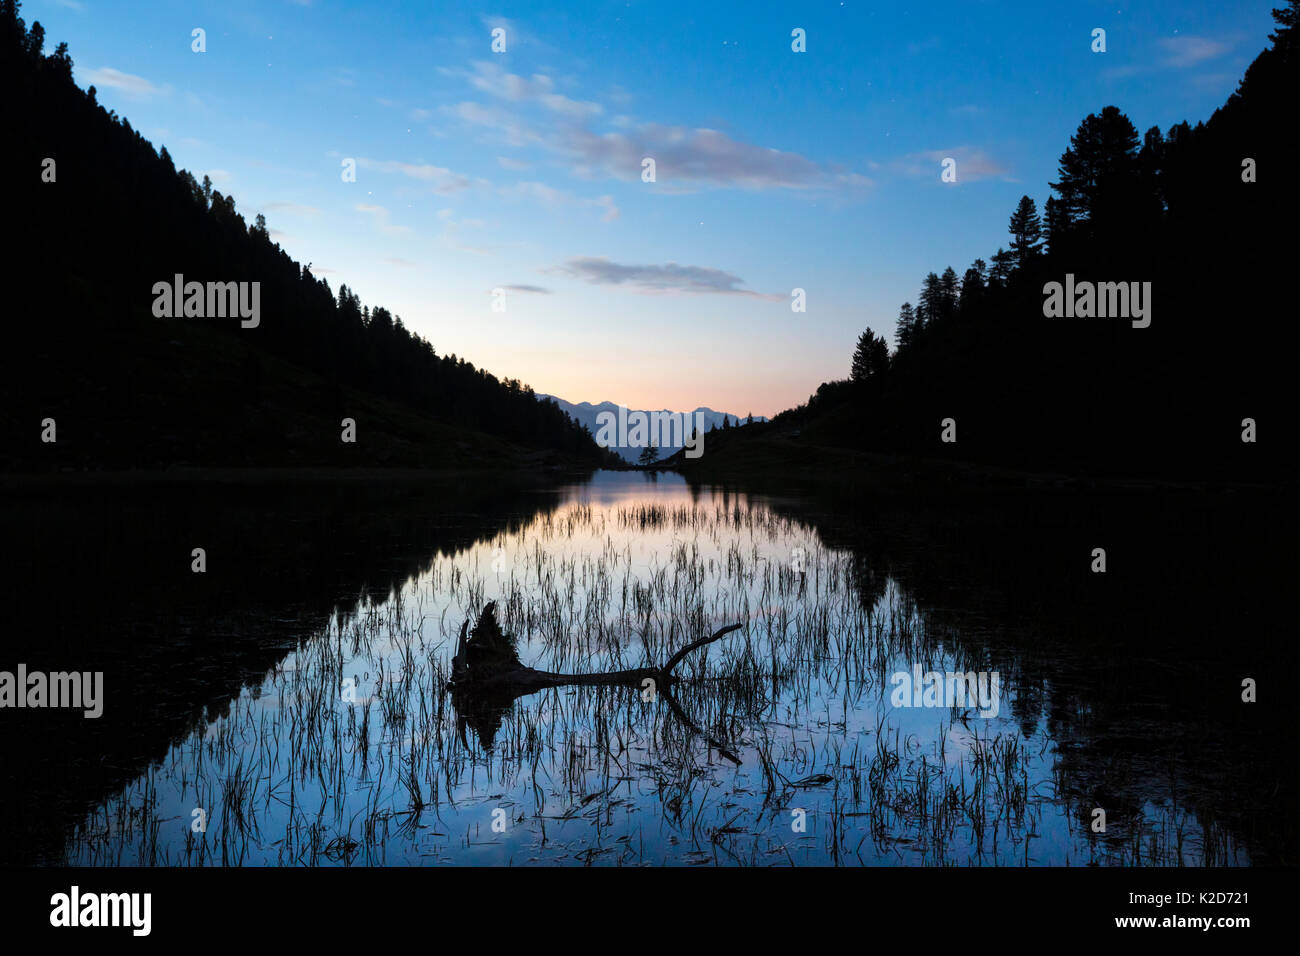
column 1203, row 212
column 120, row 216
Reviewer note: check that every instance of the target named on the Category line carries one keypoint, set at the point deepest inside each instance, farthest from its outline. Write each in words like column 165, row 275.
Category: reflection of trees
column 1134, row 674
column 870, row 573
column 185, row 650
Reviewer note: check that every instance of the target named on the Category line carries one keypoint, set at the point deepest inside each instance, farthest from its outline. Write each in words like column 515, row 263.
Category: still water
column 798, row 739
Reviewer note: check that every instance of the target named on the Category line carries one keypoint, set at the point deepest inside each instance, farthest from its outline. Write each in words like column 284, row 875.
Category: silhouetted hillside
column 1205, row 214
column 99, row 218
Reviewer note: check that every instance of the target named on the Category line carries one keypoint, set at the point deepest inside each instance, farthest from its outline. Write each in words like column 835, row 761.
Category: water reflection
column 784, row 742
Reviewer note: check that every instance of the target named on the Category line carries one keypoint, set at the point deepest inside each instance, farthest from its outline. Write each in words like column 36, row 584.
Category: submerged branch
column 487, row 675
column 497, row 649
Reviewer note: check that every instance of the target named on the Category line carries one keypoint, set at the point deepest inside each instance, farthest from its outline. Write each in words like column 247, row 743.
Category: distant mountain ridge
column 586, row 413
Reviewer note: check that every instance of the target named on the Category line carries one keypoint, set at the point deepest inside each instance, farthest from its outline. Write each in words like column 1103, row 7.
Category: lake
column 309, row 720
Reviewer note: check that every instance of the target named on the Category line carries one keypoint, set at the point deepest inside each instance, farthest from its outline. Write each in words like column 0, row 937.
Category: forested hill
column 111, row 217
column 1205, row 214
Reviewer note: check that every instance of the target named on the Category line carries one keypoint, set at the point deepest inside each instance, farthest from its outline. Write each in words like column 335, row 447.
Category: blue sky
column 522, row 170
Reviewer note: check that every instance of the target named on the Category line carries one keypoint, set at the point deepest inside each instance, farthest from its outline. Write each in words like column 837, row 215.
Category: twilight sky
column 523, row 170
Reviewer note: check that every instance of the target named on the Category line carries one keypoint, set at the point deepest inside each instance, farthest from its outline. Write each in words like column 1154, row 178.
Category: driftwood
column 487, row 676
column 488, row 660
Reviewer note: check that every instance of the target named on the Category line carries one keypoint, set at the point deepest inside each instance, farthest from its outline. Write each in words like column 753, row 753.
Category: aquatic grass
column 352, row 751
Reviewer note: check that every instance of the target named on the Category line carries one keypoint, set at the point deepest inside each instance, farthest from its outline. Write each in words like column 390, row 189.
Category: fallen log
column 487, row 661
column 487, row 676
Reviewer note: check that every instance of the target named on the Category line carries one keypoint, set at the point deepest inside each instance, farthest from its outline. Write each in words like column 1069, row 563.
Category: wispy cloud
column 1175, row 53
column 695, row 157
column 658, row 279
column 515, row 131
column 379, row 215
column 451, row 227
column 973, row 164
column 1121, row 72
column 291, row 208
column 685, row 158
column 527, row 289
column 1221, row 83
column 443, row 180
column 556, row 198
column 448, row 216
column 1185, row 51
column 117, row 80
column 539, row 88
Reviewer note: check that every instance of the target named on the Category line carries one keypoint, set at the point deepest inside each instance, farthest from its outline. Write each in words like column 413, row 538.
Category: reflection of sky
column 830, row 717
column 623, row 487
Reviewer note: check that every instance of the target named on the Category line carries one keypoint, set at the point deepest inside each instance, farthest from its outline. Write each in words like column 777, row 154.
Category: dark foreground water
column 297, row 711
